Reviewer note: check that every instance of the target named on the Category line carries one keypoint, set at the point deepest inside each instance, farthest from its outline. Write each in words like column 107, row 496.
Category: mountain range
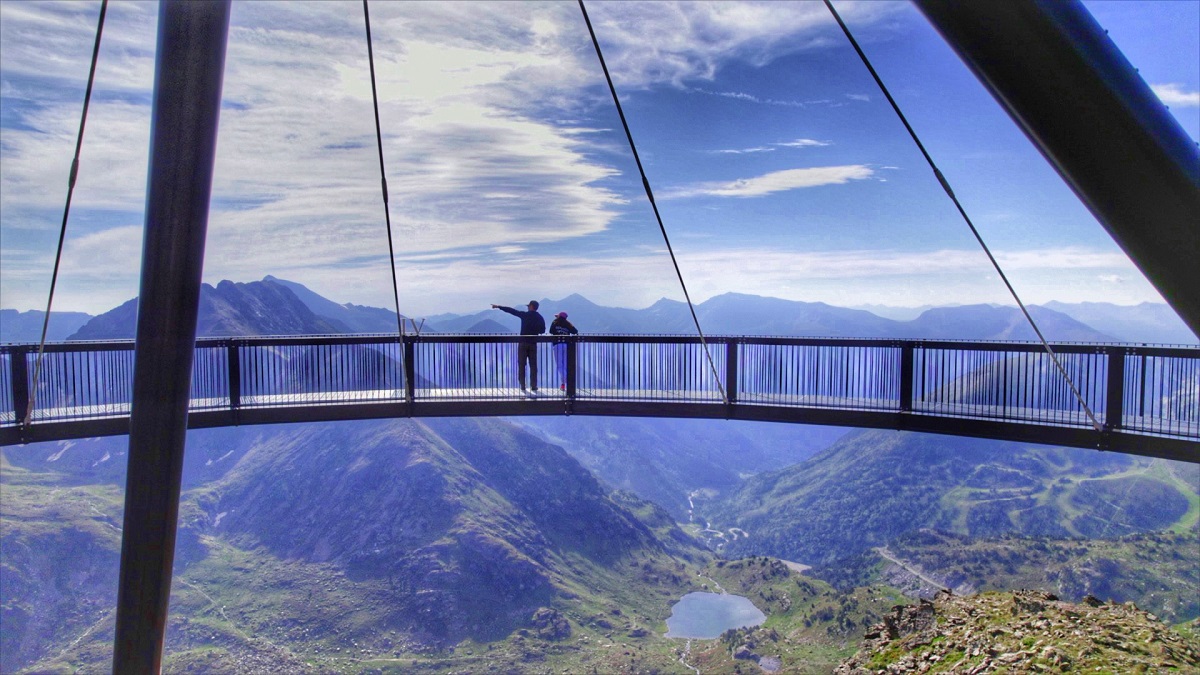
column 730, row 313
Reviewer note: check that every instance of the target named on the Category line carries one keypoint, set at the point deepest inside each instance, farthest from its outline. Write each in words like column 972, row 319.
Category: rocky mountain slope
column 1156, row 570
column 226, row 310
column 1021, row 632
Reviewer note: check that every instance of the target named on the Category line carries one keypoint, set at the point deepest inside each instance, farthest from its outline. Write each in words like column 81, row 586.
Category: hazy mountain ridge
column 1145, row 322
column 729, row 313
column 27, row 326
column 740, row 314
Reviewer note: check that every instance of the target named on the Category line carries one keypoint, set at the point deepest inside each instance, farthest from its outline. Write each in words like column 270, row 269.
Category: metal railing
column 1150, row 391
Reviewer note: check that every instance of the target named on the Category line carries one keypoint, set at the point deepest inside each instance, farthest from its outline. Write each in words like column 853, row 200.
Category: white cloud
column 677, row 42
column 470, row 98
column 776, row 181
column 1174, row 94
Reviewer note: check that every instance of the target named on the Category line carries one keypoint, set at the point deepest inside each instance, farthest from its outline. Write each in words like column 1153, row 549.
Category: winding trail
column 220, row 608
column 720, row 590
column 88, row 631
column 683, row 658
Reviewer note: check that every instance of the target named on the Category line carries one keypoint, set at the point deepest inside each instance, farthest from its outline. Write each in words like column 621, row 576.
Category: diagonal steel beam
column 183, row 137
column 1071, row 90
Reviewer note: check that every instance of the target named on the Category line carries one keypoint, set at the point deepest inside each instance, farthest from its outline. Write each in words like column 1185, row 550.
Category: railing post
column 1114, row 408
column 906, row 376
column 234, row 360
column 572, row 366
column 19, row 372
column 410, row 368
column 731, row 370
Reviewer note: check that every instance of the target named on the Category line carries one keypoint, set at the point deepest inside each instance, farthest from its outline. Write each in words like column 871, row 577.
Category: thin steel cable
column 949, row 192
column 62, row 232
column 650, row 195
column 387, row 215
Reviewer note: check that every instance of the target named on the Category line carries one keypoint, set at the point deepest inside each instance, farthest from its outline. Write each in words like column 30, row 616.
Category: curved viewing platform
column 1146, row 399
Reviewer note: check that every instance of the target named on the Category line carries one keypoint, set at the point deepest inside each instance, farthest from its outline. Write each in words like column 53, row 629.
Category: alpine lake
column 704, row 616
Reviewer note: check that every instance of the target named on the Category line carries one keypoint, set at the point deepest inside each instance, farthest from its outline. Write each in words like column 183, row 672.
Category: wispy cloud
column 776, row 181
column 786, row 103
column 750, row 98
column 1176, row 95
column 798, row 143
column 745, row 151
column 803, row 143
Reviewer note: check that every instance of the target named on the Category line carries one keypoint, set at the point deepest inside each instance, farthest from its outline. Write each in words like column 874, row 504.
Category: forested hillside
column 874, row 486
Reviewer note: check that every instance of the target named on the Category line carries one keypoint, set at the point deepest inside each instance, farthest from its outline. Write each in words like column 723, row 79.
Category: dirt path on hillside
column 683, row 658
column 911, row 569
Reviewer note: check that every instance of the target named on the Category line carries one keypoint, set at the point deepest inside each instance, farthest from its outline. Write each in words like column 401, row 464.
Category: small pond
column 706, row 615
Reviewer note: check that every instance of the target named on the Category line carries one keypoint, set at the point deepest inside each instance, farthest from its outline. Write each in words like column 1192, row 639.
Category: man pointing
column 532, row 323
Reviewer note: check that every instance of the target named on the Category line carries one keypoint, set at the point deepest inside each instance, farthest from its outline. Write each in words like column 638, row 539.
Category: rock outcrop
column 1021, row 632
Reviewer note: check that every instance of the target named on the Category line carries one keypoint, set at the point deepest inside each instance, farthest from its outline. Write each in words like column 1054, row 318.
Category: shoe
column 534, row 390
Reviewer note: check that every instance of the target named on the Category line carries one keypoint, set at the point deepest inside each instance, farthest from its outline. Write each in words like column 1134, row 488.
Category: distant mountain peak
column 228, row 309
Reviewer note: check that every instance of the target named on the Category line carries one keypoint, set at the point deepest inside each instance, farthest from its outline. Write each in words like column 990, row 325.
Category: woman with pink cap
column 561, row 327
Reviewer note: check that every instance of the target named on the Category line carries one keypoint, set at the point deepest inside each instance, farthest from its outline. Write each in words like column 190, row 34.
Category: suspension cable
column 958, row 205
column 387, row 216
column 650, row 195
column 62, row 232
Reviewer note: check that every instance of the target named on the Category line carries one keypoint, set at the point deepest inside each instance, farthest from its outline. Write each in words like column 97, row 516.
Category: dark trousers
column 527, row 352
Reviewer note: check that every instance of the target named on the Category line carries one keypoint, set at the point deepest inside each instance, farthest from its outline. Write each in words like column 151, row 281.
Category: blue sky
column 778, row 166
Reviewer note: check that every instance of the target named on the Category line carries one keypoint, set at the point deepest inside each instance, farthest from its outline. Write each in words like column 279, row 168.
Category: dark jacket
column 532, row 323
column 562, row 327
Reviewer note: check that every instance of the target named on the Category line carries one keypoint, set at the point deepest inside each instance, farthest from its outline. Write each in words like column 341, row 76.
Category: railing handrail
column 1149, row 391
column 1079, row 347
